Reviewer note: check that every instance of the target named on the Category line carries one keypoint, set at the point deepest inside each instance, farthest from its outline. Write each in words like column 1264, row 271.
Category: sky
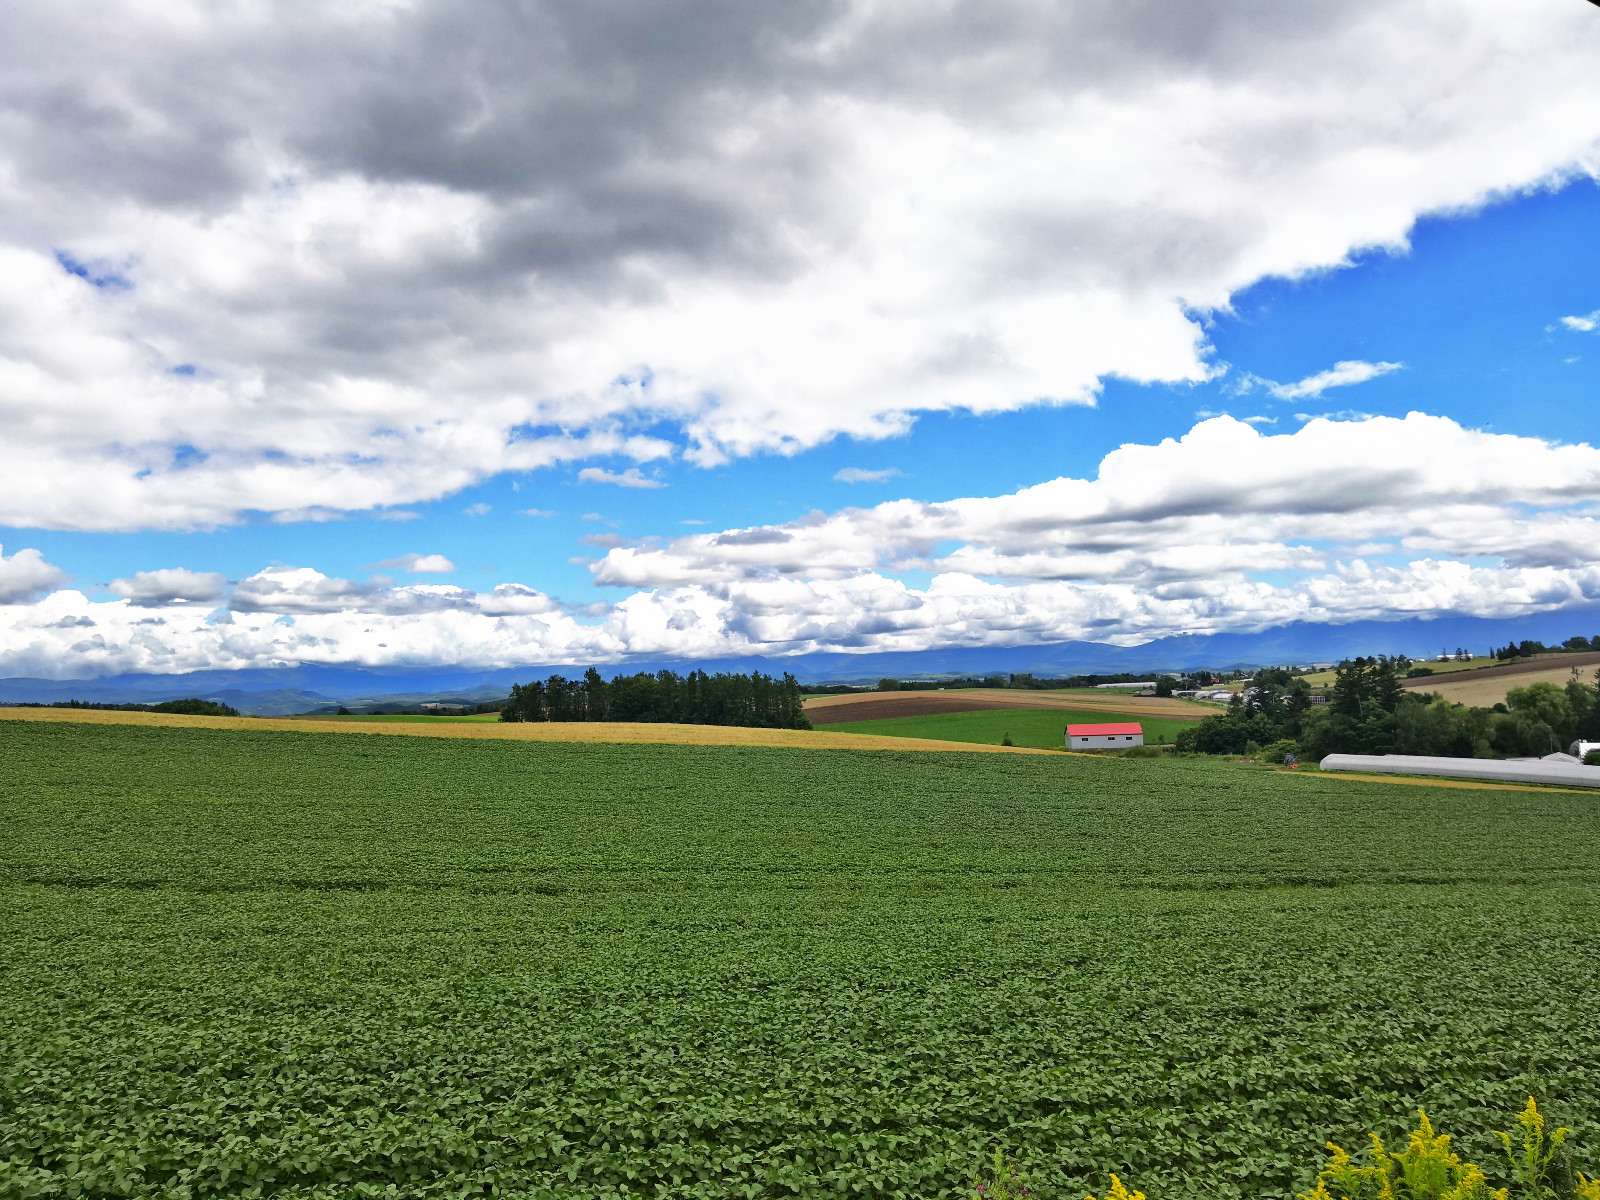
column 412, row 334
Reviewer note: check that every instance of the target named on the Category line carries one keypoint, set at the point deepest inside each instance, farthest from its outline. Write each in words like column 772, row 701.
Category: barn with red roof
column 1115, row 736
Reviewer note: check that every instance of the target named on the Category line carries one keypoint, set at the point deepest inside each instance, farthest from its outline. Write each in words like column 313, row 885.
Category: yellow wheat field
column 1424, row 781
column 585, row 731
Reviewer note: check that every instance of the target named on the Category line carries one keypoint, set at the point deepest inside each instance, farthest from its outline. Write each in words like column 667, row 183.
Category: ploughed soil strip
column 897, row 706
column 840, row 710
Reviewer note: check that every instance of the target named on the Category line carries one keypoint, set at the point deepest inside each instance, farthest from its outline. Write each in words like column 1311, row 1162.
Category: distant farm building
column 1105, row 737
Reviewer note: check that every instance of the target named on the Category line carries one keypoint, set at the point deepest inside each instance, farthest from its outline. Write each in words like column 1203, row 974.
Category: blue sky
column 257, row 373
column 1471, row 309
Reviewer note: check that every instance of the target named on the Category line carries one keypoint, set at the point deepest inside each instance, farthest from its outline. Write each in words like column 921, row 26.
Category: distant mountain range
column 281, row 690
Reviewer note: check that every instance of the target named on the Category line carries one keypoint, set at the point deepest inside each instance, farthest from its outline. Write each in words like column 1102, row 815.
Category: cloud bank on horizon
column 291, row 264
column 1372, row 519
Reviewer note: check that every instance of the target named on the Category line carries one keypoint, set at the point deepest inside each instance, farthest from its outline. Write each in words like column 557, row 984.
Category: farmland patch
column 256, row 963
column 1043, row 728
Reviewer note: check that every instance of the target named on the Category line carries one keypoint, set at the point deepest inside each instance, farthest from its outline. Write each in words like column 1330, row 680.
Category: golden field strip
column 1476, row 785
column 574, row 731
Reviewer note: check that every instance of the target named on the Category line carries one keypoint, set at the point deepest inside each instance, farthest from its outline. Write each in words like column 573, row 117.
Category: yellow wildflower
column 1118, row 1192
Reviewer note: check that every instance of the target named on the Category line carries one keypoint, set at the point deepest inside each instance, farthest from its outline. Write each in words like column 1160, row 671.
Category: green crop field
column 254, row 964
column 1041, row 727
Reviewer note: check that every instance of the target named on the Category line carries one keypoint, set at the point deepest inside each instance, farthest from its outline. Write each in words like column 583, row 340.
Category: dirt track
column 577, row 731
column 877, row 706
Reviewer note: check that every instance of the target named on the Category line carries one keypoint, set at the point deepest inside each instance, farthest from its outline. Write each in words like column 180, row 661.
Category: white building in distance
column 1117, row 736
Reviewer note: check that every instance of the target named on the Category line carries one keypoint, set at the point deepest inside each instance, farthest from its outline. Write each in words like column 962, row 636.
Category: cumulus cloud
column 1225, row 529
column 862, row 475
column 287, row 590
column 418, row 564
column 1341, row 374
column 67, row 635
column 1587, row 324
column 26, row 575
column 172, row 585
column 631, row 478
column 1222, row 502
column 244, row 246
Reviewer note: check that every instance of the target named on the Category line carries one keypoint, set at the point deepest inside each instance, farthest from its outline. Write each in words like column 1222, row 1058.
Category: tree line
column 1527, row 649
column 193, row 706
column 698, row 698
column 1368, row 712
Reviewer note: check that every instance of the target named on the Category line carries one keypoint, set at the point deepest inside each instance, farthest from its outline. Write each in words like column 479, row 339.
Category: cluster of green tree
column 1527, row 649
column 1023, row 681
column 193, row 707
column 916, row 685
column 1026, row 682
column 413, row 710
column 1368, row 712
column 693, row 699
column 1204, row 677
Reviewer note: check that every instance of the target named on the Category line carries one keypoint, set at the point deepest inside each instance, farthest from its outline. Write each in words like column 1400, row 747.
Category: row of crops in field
column 264, row 964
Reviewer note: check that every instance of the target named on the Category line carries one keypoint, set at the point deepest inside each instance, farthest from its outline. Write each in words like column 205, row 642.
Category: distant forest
column 192, row 707
column 1527, row 649
column 697, row 698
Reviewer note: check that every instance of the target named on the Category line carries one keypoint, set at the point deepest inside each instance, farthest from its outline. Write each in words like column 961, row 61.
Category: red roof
column 1102, row 730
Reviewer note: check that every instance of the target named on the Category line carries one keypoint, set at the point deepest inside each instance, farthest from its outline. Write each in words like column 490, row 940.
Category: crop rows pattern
column 262, row 964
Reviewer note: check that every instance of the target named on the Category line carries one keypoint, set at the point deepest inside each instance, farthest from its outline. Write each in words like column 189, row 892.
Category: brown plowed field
column 896, row 705
column 877, row 706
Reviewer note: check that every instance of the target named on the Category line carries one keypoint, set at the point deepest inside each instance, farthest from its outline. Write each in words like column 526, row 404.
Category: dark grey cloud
column 360, row 250
column 152, row 589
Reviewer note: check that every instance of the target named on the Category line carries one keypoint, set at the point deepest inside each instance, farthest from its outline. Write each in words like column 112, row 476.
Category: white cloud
column 1341, row 374
column 538, row 512
column 479, row 509
column 1225, row 529
column 1586, row 324
column 1343, row 414
column 418, row 564
column 1224, row 502
column 631, row 478
column 795, row 222
column 25, row 575
column 66, row 635
column 287, row 590
column 399, row 514
column 861, row 475
column 153, row 588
